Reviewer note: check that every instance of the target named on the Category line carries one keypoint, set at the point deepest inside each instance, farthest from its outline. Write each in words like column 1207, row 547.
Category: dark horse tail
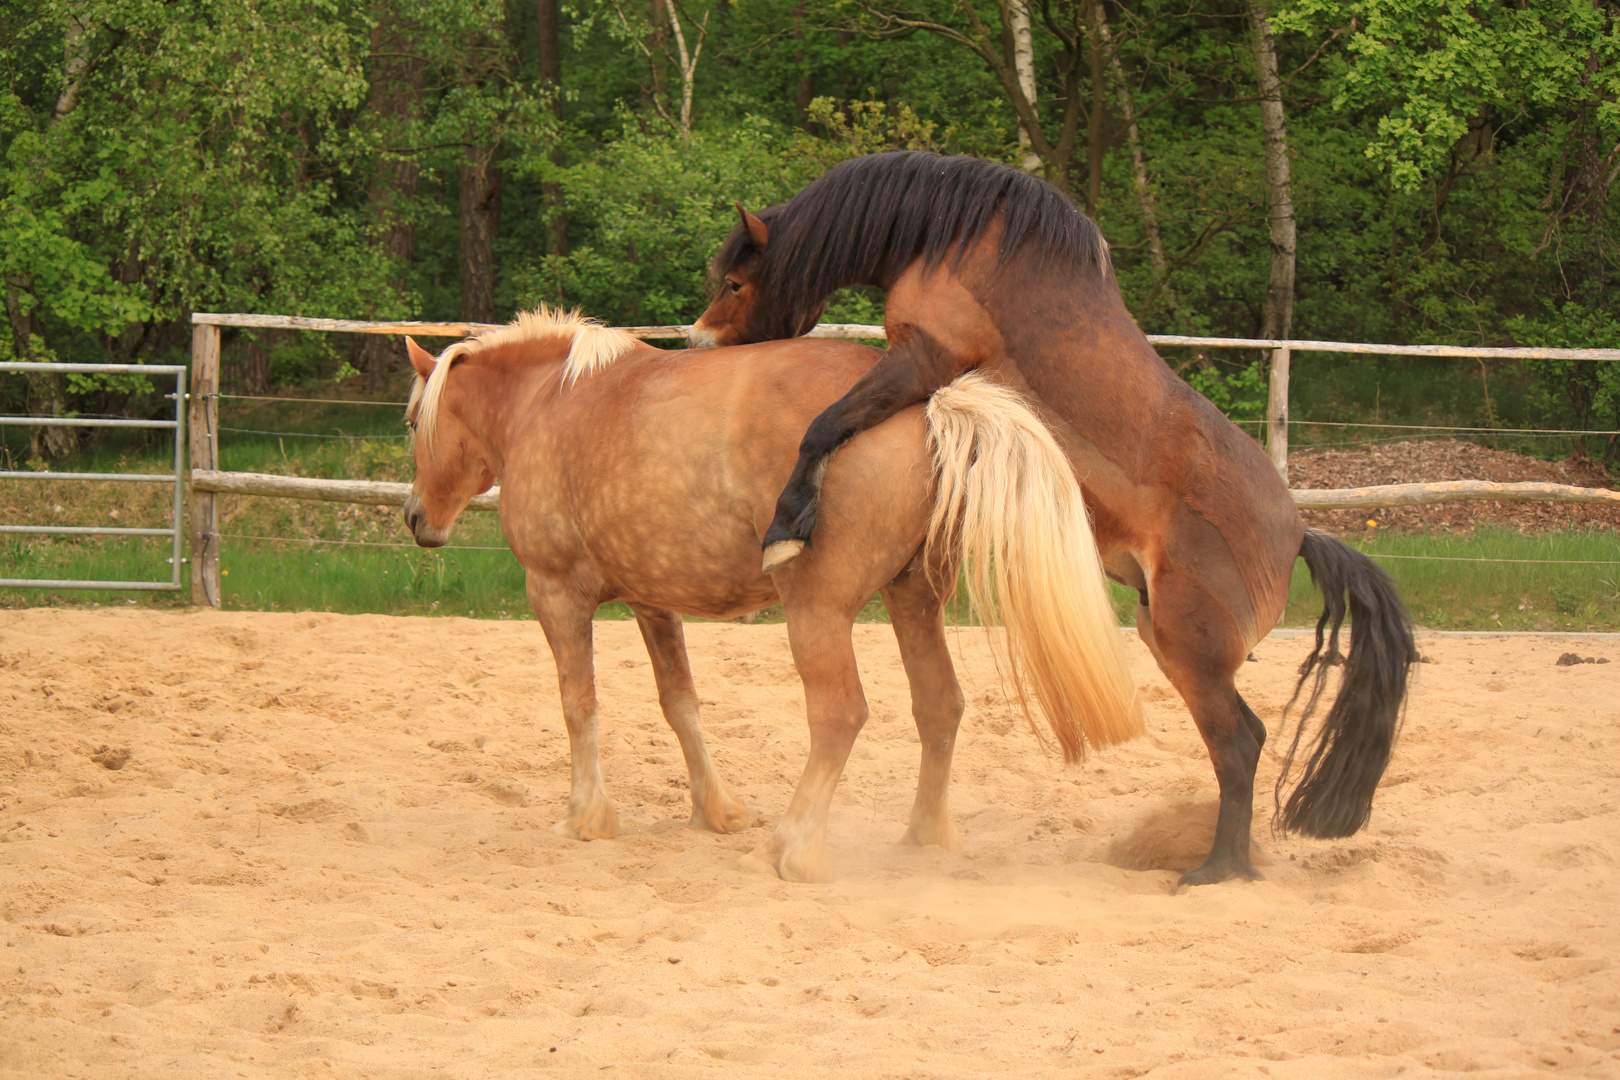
column 1335, row 790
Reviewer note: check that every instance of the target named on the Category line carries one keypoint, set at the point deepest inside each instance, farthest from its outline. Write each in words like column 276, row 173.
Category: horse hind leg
column 917, row 613
column 913, row 368
column 566, row 620
column 713, row 806
column 1201, row 658
column 836, row 709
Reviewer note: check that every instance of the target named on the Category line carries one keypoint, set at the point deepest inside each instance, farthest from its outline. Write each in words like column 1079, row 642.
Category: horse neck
column 488, row 395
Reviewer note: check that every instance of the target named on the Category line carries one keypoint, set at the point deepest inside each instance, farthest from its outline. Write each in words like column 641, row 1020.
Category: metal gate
column 177, row 477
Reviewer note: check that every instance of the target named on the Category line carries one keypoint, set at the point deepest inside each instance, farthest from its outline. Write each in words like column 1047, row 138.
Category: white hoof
column 781, row 553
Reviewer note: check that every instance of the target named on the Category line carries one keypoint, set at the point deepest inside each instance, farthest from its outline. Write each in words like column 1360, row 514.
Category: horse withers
column 630, row 473
column 987, row 267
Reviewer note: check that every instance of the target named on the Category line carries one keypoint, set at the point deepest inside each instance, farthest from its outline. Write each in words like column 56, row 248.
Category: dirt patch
column 1450, row 459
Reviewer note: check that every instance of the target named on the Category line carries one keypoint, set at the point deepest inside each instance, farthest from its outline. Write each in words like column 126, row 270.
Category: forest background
column 1437, row 171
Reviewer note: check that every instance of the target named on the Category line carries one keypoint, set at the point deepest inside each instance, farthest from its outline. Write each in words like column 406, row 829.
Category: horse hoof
column 597, row 823
column 781, row 553
column 806, row 866
column 722, row 815
column 1213, row 874
column 942, row 835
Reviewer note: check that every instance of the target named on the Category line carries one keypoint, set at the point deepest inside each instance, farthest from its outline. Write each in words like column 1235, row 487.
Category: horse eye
column 410, row 424
column 736, row 286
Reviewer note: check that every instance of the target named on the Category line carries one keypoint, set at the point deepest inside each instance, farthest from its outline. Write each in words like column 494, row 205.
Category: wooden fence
column 206, row 481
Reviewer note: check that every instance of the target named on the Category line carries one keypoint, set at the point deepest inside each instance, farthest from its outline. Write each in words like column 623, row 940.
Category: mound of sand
column 316, row 845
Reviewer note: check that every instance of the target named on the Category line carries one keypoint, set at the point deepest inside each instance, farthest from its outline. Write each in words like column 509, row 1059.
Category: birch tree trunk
column 1277, row 316
column 688, row 61
column 1023, row 61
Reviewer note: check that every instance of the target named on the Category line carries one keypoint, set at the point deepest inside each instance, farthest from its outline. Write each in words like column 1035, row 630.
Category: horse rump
column 1350, row 751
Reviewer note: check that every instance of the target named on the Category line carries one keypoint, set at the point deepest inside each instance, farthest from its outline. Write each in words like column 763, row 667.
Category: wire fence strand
column 356, row 543
column 308, row 434
column 306, row 400
column 1481, row 559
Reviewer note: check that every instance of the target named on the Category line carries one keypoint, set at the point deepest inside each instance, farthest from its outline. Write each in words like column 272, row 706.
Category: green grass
column 1470, row 595
column 463, row 581
column 1446, row 595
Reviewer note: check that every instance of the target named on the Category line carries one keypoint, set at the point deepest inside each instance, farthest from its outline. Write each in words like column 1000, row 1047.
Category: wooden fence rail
column 386, row 493
column 207, row 482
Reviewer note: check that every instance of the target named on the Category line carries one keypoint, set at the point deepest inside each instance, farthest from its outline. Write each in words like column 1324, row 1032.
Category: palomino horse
column 987, row 267
column 635, row 474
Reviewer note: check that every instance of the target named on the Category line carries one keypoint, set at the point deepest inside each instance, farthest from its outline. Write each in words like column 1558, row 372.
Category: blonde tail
column 1008, row 507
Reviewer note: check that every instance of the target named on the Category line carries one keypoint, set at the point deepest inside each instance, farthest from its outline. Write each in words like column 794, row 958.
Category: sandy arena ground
column 328, row 853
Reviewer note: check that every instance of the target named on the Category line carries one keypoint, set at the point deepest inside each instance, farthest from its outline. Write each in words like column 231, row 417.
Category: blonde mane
column 593, row 348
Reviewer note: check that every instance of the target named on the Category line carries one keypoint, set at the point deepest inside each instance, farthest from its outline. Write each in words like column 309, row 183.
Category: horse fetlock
column 715, row 808
column 596, row 819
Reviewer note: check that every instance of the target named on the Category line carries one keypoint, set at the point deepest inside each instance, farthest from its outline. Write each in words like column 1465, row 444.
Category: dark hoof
column 1213, row 873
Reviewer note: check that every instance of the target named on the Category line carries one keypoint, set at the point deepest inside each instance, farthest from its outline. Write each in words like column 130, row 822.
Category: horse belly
column 689, row 547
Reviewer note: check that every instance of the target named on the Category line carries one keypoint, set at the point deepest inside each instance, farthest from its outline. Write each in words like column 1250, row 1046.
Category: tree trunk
column 1585, row 269
column 255, row 365
column 1277, row 320
column 1133, row 137
column 551, row 79
column 396, row 98
column 1023, row 63
column 47, row 391
column 1095, row 146
column 1277, row 317
column 688, row 61
column 480, row 222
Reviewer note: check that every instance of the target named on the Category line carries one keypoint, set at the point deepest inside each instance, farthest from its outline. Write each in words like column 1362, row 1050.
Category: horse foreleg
column 565, row 616
column 917, row 614
column 836, row 708
column 1200, row 656
column 912, row 370
column 712, row 805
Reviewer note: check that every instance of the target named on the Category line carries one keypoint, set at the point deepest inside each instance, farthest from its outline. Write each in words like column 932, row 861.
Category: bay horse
column 987, row 267
column 631, row 473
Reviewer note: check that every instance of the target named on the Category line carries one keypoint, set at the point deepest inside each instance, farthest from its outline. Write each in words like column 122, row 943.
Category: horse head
column 746, row 307
column 452, row 462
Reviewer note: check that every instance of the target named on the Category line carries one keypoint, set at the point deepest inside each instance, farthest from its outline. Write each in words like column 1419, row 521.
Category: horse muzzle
column 416, row 520
column 701, row 337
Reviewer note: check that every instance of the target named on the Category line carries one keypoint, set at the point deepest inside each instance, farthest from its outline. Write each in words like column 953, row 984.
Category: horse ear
column 758, row 231
column 421, row 359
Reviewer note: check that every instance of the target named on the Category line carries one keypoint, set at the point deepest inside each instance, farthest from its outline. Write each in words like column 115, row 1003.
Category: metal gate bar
column 177, row 477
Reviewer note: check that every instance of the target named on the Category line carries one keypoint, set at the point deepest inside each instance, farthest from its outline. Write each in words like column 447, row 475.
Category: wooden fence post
column 1277, row 411
column 204, row 455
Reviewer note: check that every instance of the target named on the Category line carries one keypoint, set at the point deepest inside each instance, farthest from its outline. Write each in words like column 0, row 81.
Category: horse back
column 662, row 471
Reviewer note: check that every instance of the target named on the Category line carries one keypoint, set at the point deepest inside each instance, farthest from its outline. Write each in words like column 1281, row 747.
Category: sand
column 319, row 846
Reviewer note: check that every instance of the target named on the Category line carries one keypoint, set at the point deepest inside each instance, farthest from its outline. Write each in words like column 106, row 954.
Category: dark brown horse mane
column 865, row 220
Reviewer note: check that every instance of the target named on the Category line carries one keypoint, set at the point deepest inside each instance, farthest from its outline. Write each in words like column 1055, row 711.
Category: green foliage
column 654, row 207
column 1591, row 387
column 1449, row 162
column 1433, row 70
column 1241, row 395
